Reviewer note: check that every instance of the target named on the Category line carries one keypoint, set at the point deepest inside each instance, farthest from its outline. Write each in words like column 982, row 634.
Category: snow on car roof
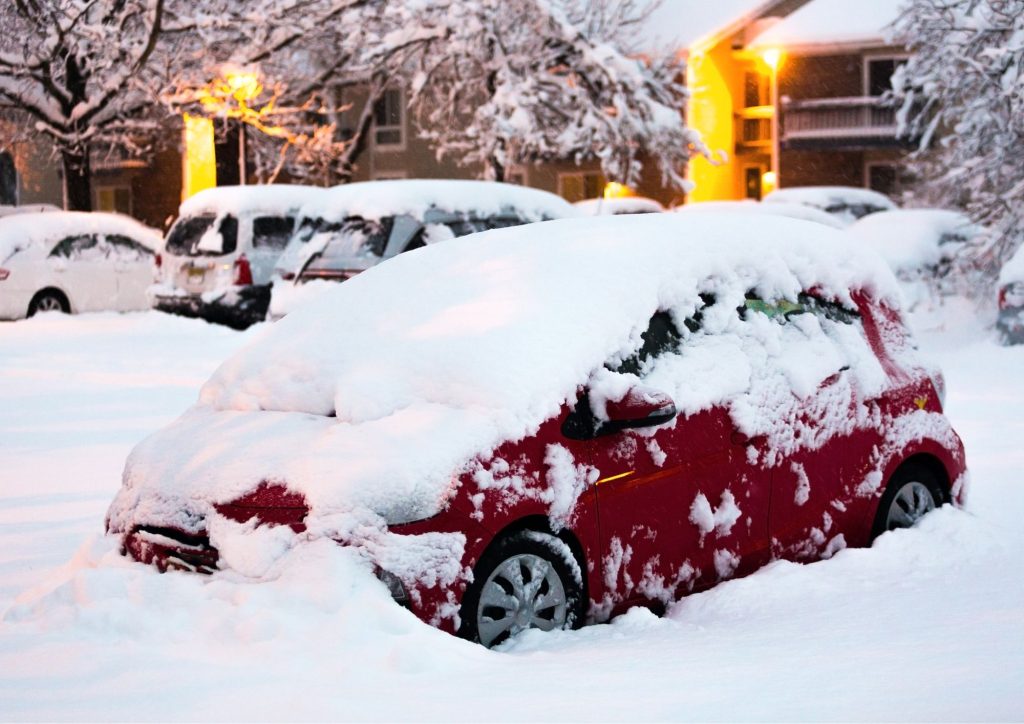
column 378, row 199
column 610, row 207
column 823, row 22
column 910, row 239
column 22, row 230
column 1013, row 270
column 282, row 199
column 822, row 197
column 442, row 353
column 778, row 208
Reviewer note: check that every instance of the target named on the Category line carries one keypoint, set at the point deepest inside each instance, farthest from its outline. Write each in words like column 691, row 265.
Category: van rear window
column 186, row 234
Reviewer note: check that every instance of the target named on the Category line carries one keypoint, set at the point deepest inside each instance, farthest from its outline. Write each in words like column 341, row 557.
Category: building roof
column 833, row 22
column 685, row 24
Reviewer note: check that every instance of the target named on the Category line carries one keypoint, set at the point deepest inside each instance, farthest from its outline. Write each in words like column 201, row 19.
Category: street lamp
column 772, row 57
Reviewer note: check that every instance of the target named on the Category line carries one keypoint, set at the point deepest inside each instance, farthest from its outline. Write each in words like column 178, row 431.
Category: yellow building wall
column 715, row 78
column 200, row 159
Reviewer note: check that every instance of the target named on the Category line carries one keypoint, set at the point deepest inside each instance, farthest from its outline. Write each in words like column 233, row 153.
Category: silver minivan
column 221, row 252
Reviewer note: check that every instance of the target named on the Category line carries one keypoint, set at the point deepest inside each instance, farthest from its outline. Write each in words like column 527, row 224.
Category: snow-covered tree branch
column 963, row 93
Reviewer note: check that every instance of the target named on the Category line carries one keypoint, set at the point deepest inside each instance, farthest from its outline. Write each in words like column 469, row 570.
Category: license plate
column 195, row 276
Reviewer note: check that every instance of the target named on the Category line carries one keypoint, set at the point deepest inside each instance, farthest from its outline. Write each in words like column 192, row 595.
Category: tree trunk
column 77, row 180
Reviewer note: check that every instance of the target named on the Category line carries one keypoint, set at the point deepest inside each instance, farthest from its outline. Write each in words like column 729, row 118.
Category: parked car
column 791, row 210
column 541, row 426
column 26, row 209
column 69, row 261
column 1010, row 323
column 355, row 227
column 617, row 206
column 221, row 251
column 845, row 203
column 919, row 245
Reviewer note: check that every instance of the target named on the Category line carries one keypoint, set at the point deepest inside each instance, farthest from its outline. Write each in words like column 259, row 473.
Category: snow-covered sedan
column 65, row 261
column 1010, row 323
column 845, row 203
column 619, row 206
column 540, row 426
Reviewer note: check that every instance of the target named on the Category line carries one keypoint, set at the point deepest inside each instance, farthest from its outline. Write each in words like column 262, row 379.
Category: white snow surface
column 909, row 239
column 611, row 207
column 18, row 231
column 822, row 197
column 779, row 208
column 925, row 625
column 445, row 352
column 821, row 22
column 684, row 24
column 276, row 199
column 379, row 199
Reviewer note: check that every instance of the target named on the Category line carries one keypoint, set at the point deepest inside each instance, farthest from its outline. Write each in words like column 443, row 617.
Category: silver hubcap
column 49, row 304
column 911, row 503
column 523, row 592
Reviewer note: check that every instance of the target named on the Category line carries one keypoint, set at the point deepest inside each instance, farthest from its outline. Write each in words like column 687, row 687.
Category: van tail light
column 158, row 261
column 4, row 273
column 287, row 276
column 243, row 272
column 1002, row 294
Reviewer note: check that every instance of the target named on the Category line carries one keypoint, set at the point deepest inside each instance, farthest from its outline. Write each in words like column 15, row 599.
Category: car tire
column 48, row 300
column 526, row 580
column 912, row 492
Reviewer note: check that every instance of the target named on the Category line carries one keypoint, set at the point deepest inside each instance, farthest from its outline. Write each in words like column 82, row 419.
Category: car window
column 463, row 227
column 782, row 310
column 502, row 222
column 271, row 232
column 190, row 236
column 78, row 247
column 353, row 238
column 661, row 336
column 127, row 249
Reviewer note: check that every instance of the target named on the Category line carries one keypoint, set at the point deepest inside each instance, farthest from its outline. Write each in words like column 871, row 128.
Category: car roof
column 22, row 230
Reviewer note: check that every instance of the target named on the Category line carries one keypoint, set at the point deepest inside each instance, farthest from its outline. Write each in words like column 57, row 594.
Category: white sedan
column 74, row 262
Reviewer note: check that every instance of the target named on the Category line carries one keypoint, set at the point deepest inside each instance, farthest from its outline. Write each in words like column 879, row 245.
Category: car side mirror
column 641, row 406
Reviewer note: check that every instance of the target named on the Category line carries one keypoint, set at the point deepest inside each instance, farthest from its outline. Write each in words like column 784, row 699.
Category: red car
column 546, row 425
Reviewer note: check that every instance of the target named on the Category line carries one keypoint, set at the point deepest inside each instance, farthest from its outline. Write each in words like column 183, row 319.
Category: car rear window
column 185, row 236
column 272, row 232
column 354, row 237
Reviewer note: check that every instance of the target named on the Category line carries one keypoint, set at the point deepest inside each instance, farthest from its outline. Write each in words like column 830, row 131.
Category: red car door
column 679, row 507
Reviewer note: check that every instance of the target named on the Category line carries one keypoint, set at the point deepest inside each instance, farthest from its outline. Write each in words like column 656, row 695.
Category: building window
column 878, row 74
column 581, row 185
column 387, row 119
column 114, row 198
column 757, row 89
column 8, row 180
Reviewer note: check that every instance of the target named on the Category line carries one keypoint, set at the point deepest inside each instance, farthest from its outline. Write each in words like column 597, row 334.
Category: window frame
column 398, row 126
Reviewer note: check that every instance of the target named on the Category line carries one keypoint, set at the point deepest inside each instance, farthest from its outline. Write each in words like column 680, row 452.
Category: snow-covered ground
column 926, row 625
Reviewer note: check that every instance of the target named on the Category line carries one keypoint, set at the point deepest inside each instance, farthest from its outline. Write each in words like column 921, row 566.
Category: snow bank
column 612, row 207
column 379, row 199
column 1013, row 270
column 912, row 239
column 778, row 208
column 440, row 354
column 21, row 230
column 278, row 199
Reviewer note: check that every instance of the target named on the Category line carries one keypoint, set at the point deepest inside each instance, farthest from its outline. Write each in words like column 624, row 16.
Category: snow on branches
column 514, row 83
column 962, row 92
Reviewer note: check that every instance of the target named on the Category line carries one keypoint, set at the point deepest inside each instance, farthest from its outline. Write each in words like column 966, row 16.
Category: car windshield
column 186, row 237
column 353, row 237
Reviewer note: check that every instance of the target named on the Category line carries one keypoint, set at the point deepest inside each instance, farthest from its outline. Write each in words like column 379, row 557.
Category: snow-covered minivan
column 541, row 426
column 351, row 228
column 220, row 253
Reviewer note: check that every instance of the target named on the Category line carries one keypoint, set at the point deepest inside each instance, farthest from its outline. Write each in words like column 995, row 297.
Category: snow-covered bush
column 962, row 92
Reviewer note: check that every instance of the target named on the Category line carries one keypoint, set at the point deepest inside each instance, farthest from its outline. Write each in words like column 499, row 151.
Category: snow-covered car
column 790, row 210
column 26, row 209
column 220, row 253
column 354, row 227
column 72, row 261
column 845, row 203
column 542, row 426
column 617, row 206
column 1010, row 322
column 919, row 245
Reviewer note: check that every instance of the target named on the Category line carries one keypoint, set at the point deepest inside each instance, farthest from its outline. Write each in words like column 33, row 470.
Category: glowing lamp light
column 615, row 190
column 244, row 86
column 772, row 57
column 768, row 181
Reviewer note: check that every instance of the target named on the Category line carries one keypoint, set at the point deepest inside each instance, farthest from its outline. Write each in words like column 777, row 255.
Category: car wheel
column 912, row 493
column 527, row 580
column 48, row 300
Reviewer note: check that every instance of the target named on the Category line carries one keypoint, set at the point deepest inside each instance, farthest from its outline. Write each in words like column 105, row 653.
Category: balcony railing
column 754, row 127
column 839, row 118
